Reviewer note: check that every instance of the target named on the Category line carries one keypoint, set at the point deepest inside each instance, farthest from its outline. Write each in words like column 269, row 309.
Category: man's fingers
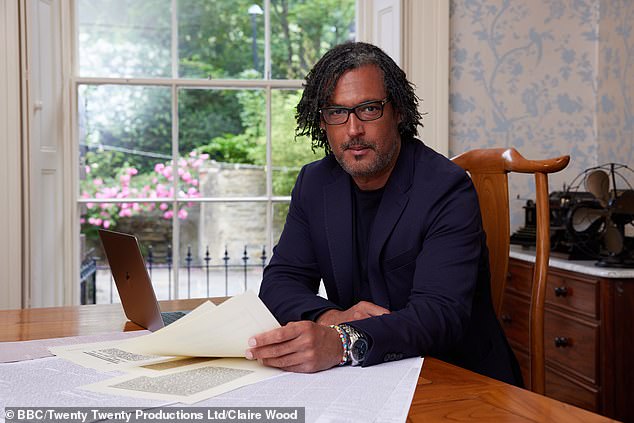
column 270, row 351
column 275, row 336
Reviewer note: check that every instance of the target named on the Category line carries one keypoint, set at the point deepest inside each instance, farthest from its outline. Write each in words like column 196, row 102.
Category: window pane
column 124, row 38
column 288, row 154
column 221, row 39
column 227, row 128
column 303, row 30
column 124, row 132
column 220, row 233
column 151, row 223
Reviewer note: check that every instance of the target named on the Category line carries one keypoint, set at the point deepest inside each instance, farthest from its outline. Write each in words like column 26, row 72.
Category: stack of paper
column 159, row 365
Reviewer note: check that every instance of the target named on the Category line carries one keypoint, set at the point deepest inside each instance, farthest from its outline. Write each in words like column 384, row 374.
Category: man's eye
column 336, row 112
column 369, row 108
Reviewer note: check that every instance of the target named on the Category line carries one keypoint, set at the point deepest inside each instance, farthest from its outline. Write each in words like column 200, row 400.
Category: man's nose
column 354, row 126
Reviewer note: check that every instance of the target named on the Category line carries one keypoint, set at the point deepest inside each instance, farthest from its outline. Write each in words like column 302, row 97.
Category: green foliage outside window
column 125, row 127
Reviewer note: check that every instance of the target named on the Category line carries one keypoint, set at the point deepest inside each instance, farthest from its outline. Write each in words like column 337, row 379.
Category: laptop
column 133, row 282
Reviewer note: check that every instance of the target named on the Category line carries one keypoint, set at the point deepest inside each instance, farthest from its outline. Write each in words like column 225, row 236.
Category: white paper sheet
column 53, row 381
column 381, row 393
column 219, row 332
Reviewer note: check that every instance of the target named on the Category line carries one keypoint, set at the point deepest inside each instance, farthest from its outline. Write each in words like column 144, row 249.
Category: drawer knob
column 506, row 318
column 561, row 342
column 561, row 291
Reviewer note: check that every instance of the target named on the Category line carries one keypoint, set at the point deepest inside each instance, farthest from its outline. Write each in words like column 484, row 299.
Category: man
column 391, row 227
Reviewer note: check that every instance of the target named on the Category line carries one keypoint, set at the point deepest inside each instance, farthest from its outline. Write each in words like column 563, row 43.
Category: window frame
column 267, row 84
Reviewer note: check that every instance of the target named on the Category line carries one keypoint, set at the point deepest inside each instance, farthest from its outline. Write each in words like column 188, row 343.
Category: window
column 185, row 129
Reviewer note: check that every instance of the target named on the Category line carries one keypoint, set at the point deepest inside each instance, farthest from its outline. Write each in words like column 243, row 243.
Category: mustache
column 357, row 143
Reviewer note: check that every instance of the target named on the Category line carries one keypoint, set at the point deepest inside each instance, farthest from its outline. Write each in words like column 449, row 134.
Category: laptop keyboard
column 171, row 316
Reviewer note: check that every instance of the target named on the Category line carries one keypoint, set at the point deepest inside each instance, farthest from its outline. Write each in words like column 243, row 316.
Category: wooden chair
column 489, row 169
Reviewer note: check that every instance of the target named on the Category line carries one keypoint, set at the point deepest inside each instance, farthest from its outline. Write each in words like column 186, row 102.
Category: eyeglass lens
column 365, row 112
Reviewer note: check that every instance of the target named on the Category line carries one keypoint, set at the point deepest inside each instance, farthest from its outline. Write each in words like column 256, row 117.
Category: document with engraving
column 188, row 384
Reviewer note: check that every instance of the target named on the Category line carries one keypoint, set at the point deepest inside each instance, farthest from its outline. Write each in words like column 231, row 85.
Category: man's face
column 367, row 150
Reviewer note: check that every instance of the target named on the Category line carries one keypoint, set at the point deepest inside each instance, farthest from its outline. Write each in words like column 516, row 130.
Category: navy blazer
column 427, row 263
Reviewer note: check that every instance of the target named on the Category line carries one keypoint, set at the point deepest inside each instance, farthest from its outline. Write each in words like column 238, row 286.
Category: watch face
column 359, row 348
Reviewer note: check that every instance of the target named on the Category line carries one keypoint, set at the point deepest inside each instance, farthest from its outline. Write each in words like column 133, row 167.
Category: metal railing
column 214, row 270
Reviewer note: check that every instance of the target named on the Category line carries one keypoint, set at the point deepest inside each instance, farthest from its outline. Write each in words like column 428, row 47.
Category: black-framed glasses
column 366, row 111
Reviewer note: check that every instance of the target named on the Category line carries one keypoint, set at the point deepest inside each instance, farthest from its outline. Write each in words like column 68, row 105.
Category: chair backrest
column 489, row 170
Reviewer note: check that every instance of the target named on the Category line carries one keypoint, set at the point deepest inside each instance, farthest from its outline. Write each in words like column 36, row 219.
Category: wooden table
column 444, row 392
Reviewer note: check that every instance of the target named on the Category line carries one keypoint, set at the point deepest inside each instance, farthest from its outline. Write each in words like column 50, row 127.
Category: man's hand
column 359, row 311
column 303, row 347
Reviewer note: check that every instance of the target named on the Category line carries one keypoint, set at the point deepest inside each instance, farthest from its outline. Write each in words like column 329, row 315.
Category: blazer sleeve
column 438, row 311
column 291, row 280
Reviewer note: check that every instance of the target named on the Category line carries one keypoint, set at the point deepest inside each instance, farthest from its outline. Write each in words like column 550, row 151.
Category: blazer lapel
column 393, row 203
column 338, row 227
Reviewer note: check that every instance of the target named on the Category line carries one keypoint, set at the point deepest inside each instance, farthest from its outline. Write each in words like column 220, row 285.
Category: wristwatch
column 358, row 345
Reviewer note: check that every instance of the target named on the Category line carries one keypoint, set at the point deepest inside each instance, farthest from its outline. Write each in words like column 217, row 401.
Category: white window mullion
column 175, row 155
column 175, row 206
column 267, row 40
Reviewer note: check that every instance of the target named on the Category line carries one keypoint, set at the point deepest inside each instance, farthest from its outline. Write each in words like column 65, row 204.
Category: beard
column 363, row 166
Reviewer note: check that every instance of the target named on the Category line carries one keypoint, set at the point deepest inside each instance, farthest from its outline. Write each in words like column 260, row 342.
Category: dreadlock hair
column 322, row 79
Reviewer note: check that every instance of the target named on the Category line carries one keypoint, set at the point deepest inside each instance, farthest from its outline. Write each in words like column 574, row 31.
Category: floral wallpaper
column 548, row 77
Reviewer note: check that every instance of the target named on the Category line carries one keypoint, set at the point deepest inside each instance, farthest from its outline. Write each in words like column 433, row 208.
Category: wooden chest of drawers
column 588, row 334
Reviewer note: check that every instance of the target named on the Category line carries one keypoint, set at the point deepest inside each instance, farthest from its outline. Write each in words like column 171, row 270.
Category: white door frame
column 421, row 49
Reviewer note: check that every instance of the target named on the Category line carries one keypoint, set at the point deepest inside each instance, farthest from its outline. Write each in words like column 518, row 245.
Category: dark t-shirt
column 365, row 204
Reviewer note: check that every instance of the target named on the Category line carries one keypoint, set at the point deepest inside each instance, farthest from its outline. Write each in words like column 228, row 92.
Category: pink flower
column 90, row 205
column 132, row 171
column 106, row 224
column 168, row 214
column 192, row 192
column 97, row 181
column 125, row 179
column 182, row 214
column 163, row 206
column 158, row 168
column 87, row 168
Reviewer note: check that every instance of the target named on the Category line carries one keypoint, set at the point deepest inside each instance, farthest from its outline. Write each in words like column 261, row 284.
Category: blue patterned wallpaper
column 548, row 77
